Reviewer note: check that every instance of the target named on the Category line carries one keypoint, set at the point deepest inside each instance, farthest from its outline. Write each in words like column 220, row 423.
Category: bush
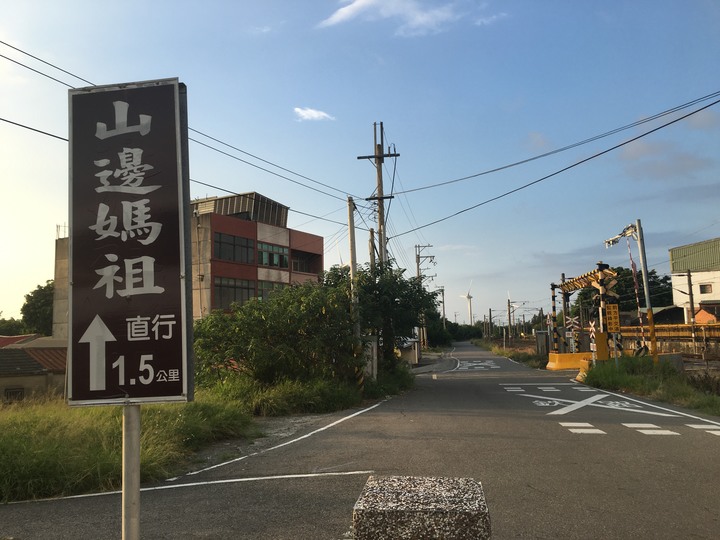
column 389, row 383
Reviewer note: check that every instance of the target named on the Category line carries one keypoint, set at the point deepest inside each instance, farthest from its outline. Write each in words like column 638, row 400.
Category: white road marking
column 210, row 483
column 285, row 443
column 578, row 404
column 582, row 428
column 650, row 429
column 615, row 408
column 709, row 428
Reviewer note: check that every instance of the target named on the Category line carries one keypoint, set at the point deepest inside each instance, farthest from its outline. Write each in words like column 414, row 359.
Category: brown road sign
column 129, row 328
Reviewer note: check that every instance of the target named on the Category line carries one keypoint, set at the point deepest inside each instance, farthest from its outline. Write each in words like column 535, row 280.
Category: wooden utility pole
column 379, row 158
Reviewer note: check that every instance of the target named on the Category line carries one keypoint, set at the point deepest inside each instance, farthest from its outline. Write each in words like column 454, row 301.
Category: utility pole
column 353, row 271
column 509, row 320
column 379, row 158
column 418, row 258
column 442, row 292
column 635, row 230
column 371, row 246
column 692, row 310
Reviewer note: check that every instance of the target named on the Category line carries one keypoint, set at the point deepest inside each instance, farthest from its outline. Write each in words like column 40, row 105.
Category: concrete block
column 560, row 361
column 412, row 507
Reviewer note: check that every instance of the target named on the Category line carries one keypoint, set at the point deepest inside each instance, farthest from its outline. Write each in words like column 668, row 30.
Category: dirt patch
column 271, row 432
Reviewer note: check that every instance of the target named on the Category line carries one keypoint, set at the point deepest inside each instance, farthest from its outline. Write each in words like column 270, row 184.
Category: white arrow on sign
column 97, row 335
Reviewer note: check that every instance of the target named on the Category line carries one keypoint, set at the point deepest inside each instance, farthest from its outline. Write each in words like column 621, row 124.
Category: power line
column 270, row 163
column 195, row 181
column 36, row 71
column 568, row 147
column 34, row 129
column 191, row 129
column 44, row 62
column 264, row 169
column 561, row 170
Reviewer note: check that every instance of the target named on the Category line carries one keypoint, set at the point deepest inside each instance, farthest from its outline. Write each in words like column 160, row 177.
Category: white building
column 702, row 262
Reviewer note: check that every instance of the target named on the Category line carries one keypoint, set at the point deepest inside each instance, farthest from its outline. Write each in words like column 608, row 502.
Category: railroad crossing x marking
column 573, row 405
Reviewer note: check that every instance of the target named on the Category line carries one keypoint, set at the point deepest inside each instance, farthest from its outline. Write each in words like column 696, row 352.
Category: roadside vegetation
column 698, row 390
column 520, row 350
column 294, row 352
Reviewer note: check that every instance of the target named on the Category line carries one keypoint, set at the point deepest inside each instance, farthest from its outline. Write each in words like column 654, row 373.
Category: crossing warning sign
column 612, row 314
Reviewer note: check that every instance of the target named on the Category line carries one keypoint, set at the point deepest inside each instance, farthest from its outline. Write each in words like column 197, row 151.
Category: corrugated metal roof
column 10, row 340
column 54, row 360
column 16, row 362
column 700, row 257
column 252, row 206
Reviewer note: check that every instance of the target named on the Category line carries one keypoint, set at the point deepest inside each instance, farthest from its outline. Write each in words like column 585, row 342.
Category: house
column 34, row 367
column 242, row 249
column 696, row 268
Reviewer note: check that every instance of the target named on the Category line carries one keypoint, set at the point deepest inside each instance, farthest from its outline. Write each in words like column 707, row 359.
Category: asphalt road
column 556, row 459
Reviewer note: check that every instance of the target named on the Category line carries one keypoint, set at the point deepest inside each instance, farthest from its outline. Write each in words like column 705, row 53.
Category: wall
column 680, row 283
column 33, row 384
column 60, row 296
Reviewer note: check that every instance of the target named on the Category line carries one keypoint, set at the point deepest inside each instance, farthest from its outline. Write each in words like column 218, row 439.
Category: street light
column 635, row 231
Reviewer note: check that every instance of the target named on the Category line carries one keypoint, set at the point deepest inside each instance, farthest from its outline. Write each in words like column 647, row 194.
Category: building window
column 266, row 287
column 228, row 291
column 271, row 255
column 706, row 288
column 234, row 248
column 14, row 394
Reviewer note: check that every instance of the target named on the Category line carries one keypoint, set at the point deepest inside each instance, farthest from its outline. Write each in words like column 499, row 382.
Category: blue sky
column 462, row 87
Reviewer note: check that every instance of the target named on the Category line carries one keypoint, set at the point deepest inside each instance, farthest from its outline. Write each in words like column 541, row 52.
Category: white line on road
column 601, row 406
column 578, row 405
column 210, row 483
column 285, row 443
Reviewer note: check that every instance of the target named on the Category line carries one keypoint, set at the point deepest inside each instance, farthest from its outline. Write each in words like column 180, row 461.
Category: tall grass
column 660, row 382
column 523, row 355
column 48, row 449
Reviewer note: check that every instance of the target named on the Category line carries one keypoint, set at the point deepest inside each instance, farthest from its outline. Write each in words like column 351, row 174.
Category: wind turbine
column 469, row 299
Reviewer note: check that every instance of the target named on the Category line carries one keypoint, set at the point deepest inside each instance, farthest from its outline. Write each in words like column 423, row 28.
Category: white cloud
column 415, row 18
column 538, row 142
column 306, row 113
column 705, row 120
column 492, row 19
column 661, row 161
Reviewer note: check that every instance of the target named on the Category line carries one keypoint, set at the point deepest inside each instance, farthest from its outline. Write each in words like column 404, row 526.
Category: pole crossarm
column 586, row 280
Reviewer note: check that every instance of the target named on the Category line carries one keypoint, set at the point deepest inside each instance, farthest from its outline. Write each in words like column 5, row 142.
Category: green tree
column 391, row 306
column 588, row 301
column 301, row 332
column 11, row 327
column 37, row 312
column 438, row 336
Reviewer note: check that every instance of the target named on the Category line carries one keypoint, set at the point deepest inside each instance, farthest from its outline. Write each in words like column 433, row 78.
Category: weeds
column 660, row 382
column 48, row 449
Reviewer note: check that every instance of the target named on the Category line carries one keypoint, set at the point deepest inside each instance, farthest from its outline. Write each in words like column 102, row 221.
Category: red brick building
column 242, row 249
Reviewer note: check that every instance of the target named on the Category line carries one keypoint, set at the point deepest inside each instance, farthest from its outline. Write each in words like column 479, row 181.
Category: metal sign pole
column 131, row 473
